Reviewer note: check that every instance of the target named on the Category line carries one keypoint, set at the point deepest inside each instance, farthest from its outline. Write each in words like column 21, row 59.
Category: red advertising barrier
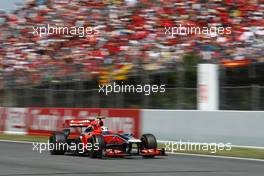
column 42, row 121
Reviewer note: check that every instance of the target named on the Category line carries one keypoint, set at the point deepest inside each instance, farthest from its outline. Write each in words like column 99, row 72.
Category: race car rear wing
column 77, row 123
column 81, row 122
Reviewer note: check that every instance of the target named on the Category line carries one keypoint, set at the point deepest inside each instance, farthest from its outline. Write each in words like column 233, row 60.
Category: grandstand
column 65, row 70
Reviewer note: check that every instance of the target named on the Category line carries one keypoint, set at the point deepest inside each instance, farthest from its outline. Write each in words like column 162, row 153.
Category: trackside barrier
column 242, row 128
column 245, row 128
column 42, row 121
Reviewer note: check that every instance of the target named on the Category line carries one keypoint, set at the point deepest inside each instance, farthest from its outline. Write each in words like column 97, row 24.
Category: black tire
column 148, row 141
column 57, row 143
column 98, row 146
column 79, row 145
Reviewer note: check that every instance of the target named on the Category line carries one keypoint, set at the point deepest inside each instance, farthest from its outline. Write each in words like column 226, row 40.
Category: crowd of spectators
column 131, row 34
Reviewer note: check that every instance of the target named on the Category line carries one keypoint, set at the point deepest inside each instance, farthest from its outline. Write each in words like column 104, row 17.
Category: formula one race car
column 97, row 141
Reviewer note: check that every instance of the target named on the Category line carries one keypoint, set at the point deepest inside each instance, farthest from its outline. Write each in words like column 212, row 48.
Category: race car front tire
column 148, row 141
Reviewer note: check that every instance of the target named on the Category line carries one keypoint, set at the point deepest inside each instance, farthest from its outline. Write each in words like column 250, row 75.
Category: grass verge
column 15, row 137
column 234, row 152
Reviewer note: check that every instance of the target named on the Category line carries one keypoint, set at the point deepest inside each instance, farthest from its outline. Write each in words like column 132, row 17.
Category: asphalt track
column 18, row 159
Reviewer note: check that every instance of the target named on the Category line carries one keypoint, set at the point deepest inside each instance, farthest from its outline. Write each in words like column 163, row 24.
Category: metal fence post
column 96, row 98
column 255, row 96
column 26, row 97
column 222, row 93
column 119, row 100
column 49, row 97
column 11, row 98
column 146, row 98
column 69, row 97
column 180, row 87
column 80, row 95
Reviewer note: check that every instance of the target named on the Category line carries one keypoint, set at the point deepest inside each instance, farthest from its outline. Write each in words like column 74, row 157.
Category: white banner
column 208, row 87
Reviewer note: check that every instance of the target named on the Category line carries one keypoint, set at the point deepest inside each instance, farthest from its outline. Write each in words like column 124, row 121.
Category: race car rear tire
column 98, row 146
column 148, row 141
column 57, row 143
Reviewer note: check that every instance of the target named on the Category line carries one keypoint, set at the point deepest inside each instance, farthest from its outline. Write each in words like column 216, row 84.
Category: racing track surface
column 18, row 159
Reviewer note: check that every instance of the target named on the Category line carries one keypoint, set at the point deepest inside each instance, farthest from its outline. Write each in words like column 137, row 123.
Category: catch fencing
column 231, row 98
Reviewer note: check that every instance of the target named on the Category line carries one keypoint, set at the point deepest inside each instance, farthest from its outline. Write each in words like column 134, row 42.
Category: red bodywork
column 111, row 137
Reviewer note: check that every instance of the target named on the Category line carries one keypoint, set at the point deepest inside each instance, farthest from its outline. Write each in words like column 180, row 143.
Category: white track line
column 214, row 156
column 21, row 142
column 237, row 146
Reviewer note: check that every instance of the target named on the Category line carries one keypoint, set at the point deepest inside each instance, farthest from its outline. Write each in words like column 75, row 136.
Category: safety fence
column 231, row 98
